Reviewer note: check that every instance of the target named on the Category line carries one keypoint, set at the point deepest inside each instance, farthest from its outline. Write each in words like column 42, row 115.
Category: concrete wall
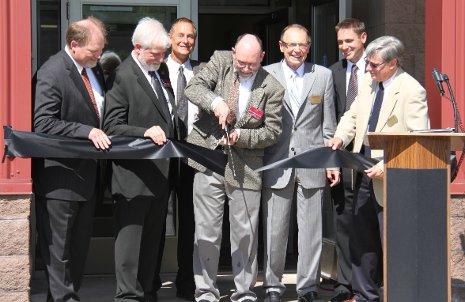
column 15, row 257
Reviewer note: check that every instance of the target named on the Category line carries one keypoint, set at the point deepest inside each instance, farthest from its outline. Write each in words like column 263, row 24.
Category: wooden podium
column 416, row 214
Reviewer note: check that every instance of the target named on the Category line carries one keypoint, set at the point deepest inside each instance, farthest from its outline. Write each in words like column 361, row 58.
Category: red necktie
column 85, row 78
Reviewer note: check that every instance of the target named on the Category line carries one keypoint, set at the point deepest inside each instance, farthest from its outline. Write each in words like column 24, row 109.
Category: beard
column 149, row 67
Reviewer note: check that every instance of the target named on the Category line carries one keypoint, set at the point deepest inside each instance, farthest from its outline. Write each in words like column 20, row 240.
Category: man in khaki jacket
column 389, row 101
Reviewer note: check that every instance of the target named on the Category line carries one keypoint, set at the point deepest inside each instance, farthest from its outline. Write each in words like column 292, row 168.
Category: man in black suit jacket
column 140, row 103
column 183, row 34
column 69, row 96
column 351, row 37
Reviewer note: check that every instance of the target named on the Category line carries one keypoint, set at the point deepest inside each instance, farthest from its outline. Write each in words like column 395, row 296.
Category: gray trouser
column 210, row 193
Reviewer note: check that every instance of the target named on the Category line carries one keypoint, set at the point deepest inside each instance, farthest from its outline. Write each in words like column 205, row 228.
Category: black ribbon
column 324, row 157
column 30, row 144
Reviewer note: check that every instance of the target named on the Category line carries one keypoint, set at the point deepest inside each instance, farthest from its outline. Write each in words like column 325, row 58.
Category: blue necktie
column 376, row 109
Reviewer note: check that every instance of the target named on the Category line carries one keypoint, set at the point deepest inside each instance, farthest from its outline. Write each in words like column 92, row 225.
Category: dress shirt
column 145, row 71
column 361, row 64
column 173, row 68
column 99, row 94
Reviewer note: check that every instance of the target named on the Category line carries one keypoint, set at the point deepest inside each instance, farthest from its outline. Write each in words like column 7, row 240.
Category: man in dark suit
column 69, row 96
column 183, row 34
column 140, row 103
column 347, row 75
column 308, row 121
column 232, row 89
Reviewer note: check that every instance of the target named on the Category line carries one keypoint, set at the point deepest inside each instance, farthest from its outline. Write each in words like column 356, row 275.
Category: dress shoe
column 185, row 294
column 308, row 297
column 272, row 296
column 342, row 297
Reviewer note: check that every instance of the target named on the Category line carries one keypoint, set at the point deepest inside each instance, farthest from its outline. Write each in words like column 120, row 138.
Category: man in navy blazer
column 351, row 37
column 68, row 101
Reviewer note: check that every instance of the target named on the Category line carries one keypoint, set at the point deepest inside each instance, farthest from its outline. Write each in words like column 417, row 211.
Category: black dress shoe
column 185, row 294
column 342, row 296
column 308, row 297
column 272, row 297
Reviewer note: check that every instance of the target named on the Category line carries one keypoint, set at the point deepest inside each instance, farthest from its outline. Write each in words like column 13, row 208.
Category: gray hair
column 150, row 33
column 388, row 47
column 109, row 61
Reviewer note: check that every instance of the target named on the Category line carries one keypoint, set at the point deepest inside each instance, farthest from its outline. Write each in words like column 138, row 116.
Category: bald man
column 69, row 96
column 232, row 89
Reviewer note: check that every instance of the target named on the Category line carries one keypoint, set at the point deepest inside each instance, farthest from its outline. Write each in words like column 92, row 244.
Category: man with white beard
column 140, row 103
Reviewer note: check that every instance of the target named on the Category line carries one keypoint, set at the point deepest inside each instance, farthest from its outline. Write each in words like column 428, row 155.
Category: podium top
column 378, row 140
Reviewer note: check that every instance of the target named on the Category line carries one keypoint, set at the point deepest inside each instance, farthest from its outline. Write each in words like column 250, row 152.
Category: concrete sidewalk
column 101, row 288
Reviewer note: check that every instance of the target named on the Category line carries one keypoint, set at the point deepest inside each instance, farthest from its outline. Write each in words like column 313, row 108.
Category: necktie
column 294, row 93
column 182, row 102
column 161, row 97
column 376, row 109
column 85, row 78
column 353, row 87
column 233, row 99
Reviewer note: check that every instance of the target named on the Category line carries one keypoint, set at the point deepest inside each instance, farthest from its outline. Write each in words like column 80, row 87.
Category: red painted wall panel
column 15, row 88
column 445, row 50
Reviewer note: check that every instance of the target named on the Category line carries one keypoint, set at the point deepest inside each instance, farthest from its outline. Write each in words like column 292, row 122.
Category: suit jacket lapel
column 256, row 96
column 389, row 101
column 76, row 78
column 278, row 73
column 365, row 107
column 147, row 87
column 340, row 81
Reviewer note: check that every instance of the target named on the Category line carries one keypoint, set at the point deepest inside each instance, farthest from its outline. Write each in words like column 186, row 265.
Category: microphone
column 438, row 77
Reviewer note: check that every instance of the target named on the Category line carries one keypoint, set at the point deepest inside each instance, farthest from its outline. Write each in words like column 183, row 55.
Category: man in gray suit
column 232, row 89
column 69, row 97
column 308, row 120
column 347, row 75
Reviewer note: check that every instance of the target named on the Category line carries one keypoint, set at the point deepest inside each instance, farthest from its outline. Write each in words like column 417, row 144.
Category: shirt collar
column 389, row 81
column 361, row 64
column 175, row 65
column 78, row 66
column 288, row 71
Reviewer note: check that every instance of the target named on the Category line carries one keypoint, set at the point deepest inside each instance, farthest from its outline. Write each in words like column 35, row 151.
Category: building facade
column 32, row 30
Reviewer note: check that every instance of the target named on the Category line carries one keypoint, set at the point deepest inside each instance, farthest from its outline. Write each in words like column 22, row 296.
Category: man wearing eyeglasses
column 232, row 89
column 347, row 75
column 389, row 100
column 308, row 121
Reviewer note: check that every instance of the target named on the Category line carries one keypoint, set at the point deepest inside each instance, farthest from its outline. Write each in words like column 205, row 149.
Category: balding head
column 85, row 40
column 247, row 54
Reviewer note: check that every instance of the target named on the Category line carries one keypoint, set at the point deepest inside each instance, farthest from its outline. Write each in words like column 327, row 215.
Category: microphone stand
column 454, row 166
column 454, row 104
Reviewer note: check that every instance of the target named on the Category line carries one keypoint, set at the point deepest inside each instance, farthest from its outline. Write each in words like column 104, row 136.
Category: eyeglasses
column 374, row 65
column 303, row 46
column 251, row 66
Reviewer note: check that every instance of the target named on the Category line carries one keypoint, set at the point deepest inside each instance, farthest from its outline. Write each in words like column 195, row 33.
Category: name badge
column 392, row 120
column 256, row 113
column 315, row 99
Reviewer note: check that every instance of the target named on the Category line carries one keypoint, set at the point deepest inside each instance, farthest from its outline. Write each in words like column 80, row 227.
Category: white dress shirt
column 173, row 68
